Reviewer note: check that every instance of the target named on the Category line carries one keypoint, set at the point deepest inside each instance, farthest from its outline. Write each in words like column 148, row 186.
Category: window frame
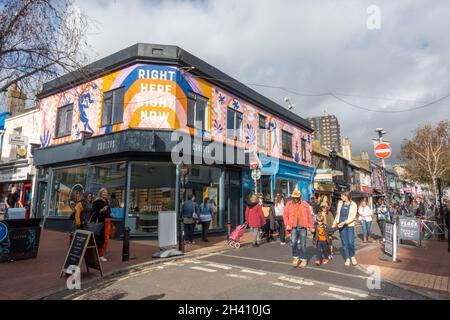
column 59, row 135
column 235, row 136
column 193, row 96
column 303, row 149
column 121, row 104
column 262, row 130
column 283, row 134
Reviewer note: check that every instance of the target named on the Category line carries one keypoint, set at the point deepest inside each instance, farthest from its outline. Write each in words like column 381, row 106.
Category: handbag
column 94, row 227
column 188, row 220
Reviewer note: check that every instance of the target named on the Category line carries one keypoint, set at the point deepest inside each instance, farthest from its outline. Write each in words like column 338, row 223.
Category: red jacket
column 294, row 212
column 254, row 216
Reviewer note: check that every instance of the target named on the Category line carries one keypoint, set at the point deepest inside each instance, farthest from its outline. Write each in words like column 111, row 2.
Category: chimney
column 16, row 101
column 347, row 148
column 364, row 155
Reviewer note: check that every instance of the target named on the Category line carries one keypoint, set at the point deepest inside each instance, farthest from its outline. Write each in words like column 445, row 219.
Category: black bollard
column 126, row 245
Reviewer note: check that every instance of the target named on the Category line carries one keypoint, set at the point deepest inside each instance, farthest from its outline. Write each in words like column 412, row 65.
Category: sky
column 393, row 57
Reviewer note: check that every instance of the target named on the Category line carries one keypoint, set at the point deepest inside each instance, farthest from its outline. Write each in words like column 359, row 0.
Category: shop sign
column 14, row 174
column 366, row 189
column 323, row 175
column 3, row 231
column 16, row 140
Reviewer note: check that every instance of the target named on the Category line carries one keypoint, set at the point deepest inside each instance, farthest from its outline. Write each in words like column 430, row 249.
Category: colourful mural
column 155, row 96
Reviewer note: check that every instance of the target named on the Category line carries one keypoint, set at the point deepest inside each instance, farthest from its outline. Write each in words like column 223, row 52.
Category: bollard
column 126, row 245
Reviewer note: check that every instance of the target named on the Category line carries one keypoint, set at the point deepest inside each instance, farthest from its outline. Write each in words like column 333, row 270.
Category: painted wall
column 156, row 98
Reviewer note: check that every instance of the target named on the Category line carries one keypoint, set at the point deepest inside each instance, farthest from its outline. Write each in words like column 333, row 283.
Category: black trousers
column 281, row 229
column 189, row 232
column 205, row 227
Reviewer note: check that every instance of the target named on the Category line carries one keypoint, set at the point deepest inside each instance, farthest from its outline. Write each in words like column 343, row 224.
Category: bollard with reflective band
column 126, row 244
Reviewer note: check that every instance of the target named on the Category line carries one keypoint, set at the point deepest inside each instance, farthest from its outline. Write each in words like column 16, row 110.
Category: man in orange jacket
column 298, row 219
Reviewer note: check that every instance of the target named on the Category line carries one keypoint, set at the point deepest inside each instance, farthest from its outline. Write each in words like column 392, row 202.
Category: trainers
column 347, row 263
column 295, row 262
column 103, row 259
column 325, row 261
column 317, row 262
column 354, row 262
column 282, row 243
column 303, row 264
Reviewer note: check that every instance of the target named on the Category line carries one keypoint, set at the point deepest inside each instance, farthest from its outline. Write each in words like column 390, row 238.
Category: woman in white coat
column 345, row 221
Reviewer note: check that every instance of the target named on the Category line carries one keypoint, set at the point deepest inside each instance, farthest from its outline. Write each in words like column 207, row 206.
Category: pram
column 236, row 236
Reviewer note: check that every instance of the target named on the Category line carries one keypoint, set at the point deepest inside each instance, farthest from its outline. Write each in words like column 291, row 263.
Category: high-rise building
column 327, row 131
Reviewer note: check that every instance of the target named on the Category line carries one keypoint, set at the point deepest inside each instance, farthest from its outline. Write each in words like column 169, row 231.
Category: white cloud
column 313, row 46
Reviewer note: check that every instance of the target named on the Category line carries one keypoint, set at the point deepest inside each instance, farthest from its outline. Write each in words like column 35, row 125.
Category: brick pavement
column 36, row 278
column 426, row 268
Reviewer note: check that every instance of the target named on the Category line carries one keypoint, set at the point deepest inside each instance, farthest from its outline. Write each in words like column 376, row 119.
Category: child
column 321, row 240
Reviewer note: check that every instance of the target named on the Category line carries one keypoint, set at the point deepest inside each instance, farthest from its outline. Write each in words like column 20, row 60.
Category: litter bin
column 19, row 239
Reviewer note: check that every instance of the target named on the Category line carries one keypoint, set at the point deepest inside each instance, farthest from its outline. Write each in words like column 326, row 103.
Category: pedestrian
column 420, row 209
column 365, row 219
column 298, row 219
column 83, row 210
column 327, row 215
column 392, row 212
column 269, row 212
column 254, row 218
column 189, row 214
column 279, row 218
column 101, row 213
column 345, row 221
column 447, row 223
column 206, row 216
column 114, row 203
column 381, row 212
column 12, row 200
column 321, row 240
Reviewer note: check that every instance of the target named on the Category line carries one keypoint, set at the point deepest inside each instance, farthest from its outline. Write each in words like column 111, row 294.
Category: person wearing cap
column 254, row 217
column 298, row 219
column 345, row 222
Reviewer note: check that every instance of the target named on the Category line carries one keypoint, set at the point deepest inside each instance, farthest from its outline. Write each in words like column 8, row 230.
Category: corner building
column 111, row 125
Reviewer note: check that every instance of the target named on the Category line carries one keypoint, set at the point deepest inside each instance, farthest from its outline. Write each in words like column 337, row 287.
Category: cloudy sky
column 312, row 47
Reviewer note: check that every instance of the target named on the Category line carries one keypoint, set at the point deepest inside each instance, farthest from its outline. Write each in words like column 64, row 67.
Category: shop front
column 139, row 176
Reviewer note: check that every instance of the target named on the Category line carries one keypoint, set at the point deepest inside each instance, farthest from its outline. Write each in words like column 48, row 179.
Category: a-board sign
column 83, row 247
column 390, row 245
column 409, row 229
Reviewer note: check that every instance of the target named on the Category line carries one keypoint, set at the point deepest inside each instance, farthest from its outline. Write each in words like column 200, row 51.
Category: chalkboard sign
column 83, row 247
column 390, row 246
column 409, row 229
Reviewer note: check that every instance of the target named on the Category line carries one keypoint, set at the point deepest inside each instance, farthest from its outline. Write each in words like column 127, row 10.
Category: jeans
column 322, row 250
column 267, row 231
column 189, row 232
column 281, row 229
column 299, row 250
column 348, row 241
column 382, row 226
column 365, row 226
column 205, row 227
column 256, row 235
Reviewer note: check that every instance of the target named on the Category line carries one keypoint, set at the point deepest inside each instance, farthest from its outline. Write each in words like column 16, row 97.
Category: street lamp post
column 441, row 208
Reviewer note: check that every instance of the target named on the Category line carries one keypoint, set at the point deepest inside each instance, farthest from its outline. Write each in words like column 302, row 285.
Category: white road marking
column 203, row 269
column 173, row 264
column 254, row 272
column 233, row 275
column 192, row 261
column 294, row 280
column 361, row 295
column 219, row 266
column 280, row 284
column 336, row 296
column 287, row 263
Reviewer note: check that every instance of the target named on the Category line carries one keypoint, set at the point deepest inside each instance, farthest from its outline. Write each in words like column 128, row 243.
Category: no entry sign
column 383, row 151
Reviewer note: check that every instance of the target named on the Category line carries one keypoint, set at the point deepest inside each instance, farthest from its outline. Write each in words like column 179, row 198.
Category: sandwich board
column 83, row 246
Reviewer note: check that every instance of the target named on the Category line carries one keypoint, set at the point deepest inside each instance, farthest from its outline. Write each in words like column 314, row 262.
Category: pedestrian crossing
column 276, row 280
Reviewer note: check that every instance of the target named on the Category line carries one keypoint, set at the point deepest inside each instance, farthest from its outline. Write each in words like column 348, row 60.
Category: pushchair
column 331, row 231
column 236, row 236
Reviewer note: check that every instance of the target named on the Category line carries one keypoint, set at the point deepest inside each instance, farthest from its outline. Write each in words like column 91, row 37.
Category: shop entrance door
column 40, row 202
column 235, row 206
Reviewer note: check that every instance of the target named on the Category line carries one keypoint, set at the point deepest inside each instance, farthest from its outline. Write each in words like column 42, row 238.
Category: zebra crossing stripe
column 259, row 273
column 233, row 275
column 336, row 296
column 297, row 281
column 203, row 269
column 284, row 285
column 361, row 295
column 219, row 266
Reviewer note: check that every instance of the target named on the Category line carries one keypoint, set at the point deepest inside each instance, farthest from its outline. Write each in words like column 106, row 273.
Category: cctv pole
column 381, row 132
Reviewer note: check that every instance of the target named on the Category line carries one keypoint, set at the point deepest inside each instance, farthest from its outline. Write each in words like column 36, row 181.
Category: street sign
column 254, row 160
column 256, row 174
column 383, row 150
column 3, row 231
column 15, row 139
column 409, row 229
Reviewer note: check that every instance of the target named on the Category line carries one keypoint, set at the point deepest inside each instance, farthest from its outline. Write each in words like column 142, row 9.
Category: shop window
column 303, row 150
column 64, row 121
column 197, row 115
column 262, row 138
column 234, row 124
column 286, row 139
column 112, row 110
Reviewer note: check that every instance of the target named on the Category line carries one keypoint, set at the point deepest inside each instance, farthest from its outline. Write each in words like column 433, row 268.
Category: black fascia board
column 144, row 53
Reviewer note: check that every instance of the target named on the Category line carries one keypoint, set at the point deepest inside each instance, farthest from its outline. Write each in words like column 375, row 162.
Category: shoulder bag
column 94, row 227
